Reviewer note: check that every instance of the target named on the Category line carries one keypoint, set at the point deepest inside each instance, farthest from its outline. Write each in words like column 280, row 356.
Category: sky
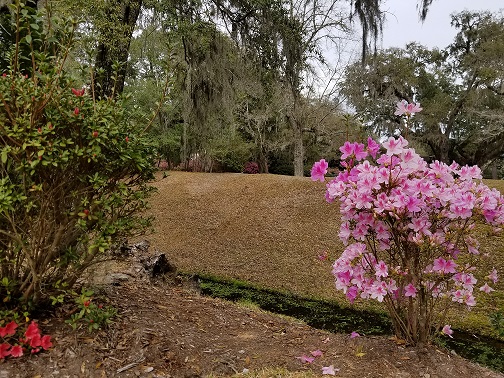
column 402, row 24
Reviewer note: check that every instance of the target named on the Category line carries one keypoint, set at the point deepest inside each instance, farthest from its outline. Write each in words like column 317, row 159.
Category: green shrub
column 73, row 170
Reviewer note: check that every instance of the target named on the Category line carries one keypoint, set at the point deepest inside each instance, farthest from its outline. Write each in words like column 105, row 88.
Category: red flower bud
column 50, row 126
column 39, row 130
column 78, row 92
column 76, row 111
column 86, row 211
column 86, row 303
column 4, row 74
column 126, row 139
column 95, row 134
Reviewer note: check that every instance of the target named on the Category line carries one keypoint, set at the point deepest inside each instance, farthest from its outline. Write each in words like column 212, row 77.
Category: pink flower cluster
column 403, row 108
column 405, row 223
column 32, row 340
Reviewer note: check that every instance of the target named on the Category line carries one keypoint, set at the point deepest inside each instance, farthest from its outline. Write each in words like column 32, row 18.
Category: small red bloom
column 126, row 139
column 16, row 351
column 4, row 350
column 50, row 126
column 36, row 341
column 78, row 92
column 91, row 321
column 95, row 134
column 100, row 306
column 10, row 329
column 32, row 331
column 39, row 130
column 33, row 351
column 76, row 111
column 46, row 342
column 86, row 303
column 86, row 213
column 4, row 74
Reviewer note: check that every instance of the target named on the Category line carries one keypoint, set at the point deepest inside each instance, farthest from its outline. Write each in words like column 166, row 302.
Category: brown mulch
column 166, row 328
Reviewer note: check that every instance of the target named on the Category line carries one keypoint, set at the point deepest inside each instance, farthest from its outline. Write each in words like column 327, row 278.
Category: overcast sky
column 402, row 24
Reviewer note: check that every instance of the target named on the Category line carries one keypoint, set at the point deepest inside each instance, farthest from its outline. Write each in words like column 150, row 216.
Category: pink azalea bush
column 409, row 231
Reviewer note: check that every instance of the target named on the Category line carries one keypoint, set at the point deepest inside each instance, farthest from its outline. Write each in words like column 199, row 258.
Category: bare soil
column 165, row 328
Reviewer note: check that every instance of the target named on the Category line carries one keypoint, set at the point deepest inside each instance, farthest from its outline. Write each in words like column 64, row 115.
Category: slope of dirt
column 267, row 229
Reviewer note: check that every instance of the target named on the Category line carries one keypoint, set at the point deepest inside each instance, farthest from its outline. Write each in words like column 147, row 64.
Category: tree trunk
column 114, row 47
column 298, row 150
column 495, row 175
column 263, row 163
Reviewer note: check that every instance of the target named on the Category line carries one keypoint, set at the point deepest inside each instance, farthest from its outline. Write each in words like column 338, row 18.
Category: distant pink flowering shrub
column 408, row 227
column 251, row 168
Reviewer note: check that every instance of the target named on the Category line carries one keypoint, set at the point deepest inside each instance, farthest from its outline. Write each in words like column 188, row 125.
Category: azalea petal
column 317, row 353
column 306, row 359
column 329, row 370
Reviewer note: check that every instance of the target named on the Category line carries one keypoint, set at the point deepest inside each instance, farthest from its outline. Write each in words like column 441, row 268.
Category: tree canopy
column 459, row 87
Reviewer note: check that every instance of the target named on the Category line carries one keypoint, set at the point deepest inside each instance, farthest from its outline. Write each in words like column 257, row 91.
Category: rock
column 158, row 265
column 115, row 278
column 142, row 246
column 121, row 248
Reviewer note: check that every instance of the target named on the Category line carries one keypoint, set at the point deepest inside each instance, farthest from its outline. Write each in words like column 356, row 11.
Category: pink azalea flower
column 444, row 266
column 447, row 330
column 347, row 150
column 373, row 147
column 487, row 289
column 395, row 146
column 469, row 173
column 381, row 269
column 329, row 370
column 359, row 151
column 378, row 291
column 493, row 276
column 319, row 170
column 317, row 353
column 354, row 334
column 306, row 359
column 351, row 293
column 403, row 108
column 412, row 204
column 410, row 291
column 469, row 299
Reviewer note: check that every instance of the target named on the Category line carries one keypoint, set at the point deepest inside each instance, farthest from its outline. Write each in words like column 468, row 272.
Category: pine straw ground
column 265, row 229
